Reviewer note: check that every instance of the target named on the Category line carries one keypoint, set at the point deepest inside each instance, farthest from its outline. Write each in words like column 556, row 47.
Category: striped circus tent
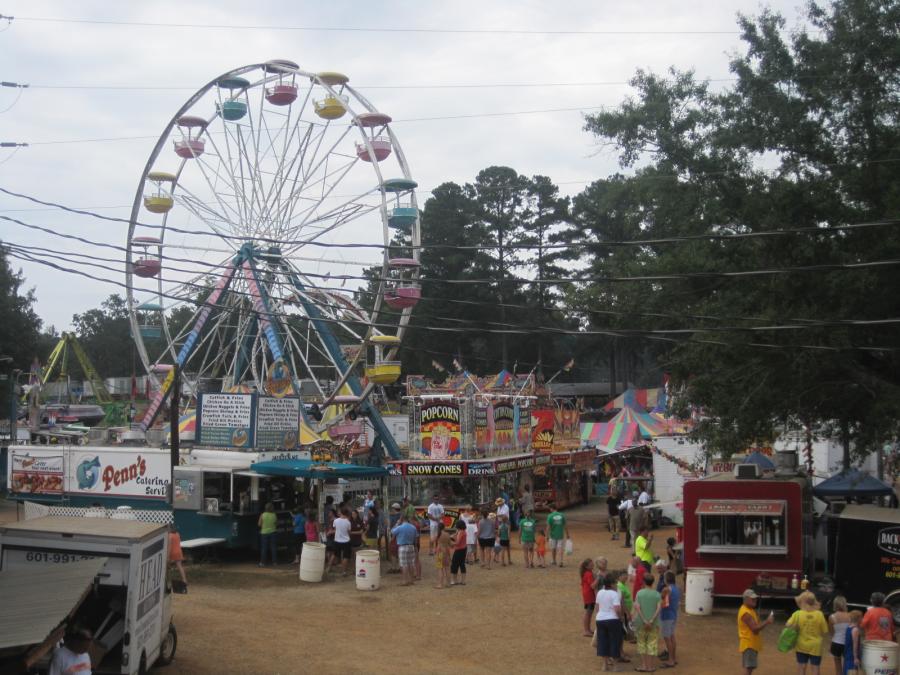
column 609, row 436
column 649, row 426
column 646, row 399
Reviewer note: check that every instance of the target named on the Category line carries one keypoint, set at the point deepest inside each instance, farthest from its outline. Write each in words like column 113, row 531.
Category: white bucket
column 368, row 570
column 312, row 562
column 879, row 657
column 698, row 596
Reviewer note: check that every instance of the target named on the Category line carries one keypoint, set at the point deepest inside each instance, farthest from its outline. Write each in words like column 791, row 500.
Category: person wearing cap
column 72, row 656
column 749, row 629
column 811, row 628
column 435, row 517
column 637, row 519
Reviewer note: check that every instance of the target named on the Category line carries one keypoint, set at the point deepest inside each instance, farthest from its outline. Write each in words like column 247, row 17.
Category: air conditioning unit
column 742, row 471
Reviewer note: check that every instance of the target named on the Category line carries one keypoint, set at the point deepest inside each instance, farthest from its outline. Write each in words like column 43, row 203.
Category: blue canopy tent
column 306, row 468
column 852, row 483
column 764, row 463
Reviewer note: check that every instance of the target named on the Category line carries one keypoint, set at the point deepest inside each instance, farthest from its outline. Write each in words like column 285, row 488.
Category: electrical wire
column 370, row 29
column 517, row 330
column 609, row 243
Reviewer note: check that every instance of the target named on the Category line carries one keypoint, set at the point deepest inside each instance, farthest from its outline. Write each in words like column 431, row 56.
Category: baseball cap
column 395, row 505
column 750, row 593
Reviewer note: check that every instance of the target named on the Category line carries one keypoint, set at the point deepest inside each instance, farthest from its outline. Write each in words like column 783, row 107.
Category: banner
column 105, row 473
column 543, row 423
column 567, row 428
column 522, row 424
column 226, row 420
column 36, row 475
column 277, row 422
column 439, row 429
column 484, row 426
column 504, row 426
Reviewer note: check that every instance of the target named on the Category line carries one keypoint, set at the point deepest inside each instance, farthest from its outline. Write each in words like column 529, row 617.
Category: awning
column 38, row 599
column 306, row 468
column 739, row 507
column 854, row 483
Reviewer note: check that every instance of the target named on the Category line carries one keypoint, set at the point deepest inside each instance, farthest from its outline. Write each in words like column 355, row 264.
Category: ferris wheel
column 264, row 200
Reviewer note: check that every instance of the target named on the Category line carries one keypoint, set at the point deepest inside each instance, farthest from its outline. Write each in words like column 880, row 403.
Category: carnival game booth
column 751, row 532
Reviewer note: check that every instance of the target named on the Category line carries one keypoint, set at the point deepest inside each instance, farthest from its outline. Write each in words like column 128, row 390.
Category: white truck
column 129, row 609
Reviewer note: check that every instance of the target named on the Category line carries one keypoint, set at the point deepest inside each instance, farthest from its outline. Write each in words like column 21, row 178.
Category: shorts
column 504, row 543
column 750, row 658
column 407, row 555
column 837, row 649
column 803, row 657
column 589, row 606
column 433, row 531
column 471, row 548
column 667, row 627
column 343, row 550
column 557, row 544
column 485, row 543
column 458, row 562
column 648, row 640
column 527, row 545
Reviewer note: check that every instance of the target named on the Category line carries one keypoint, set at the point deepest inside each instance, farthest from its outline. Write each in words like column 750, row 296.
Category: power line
column 608, row 243
column 514, row 328
column 369, row 29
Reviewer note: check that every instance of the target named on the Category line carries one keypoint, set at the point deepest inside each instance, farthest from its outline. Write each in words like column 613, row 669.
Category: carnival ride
column 286, row 183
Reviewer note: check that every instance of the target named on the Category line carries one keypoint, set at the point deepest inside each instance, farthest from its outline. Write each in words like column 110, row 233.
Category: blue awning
column 764, row 463
column 305, row 468
column 853, row 483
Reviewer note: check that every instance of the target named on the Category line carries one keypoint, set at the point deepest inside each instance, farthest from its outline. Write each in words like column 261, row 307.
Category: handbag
column 788, row 639
column 570, row 547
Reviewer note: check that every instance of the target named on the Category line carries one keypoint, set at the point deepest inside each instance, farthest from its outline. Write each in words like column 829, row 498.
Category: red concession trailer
column 751, row 532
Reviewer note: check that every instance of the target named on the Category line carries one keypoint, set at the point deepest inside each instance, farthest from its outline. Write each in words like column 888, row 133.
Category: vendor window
column 752, row 533
column 216, row 491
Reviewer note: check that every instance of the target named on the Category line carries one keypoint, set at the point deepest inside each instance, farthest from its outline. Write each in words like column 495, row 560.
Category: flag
column 457, row 365
column 437, row 366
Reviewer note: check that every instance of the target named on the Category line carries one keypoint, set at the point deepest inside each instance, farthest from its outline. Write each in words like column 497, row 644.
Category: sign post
column 174, row 444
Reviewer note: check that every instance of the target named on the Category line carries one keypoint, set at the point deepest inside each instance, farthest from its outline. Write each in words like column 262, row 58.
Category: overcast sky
column 92, row 81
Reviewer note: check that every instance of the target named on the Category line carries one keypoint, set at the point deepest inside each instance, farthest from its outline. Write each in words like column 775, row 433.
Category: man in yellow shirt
column 642, row 548
column 749, row 628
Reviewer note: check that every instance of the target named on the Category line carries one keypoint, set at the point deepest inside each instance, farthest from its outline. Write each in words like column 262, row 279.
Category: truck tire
column 892, row 603
column 168, row 647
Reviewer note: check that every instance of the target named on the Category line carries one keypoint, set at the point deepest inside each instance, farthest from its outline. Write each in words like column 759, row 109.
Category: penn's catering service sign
column 119, row 474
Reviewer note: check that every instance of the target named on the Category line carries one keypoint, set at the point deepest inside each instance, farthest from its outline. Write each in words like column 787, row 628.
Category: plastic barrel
column 698, row 596
column 368, row 570
column 312, row 562
column 879, row 657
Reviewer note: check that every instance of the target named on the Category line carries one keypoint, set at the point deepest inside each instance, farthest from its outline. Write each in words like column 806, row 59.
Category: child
column 299, row 533
column 674, row 556
column 503, row 530
column 627, row 606
column 498, row 547
column 851, row 644
column 600, row 572
column 471, row 538
column 312, row 526
column 540, row 546
column 588, row 595
column 442, row 556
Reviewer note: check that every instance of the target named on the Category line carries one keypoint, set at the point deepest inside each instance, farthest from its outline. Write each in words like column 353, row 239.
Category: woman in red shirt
column 586, row 572
column 458, row 561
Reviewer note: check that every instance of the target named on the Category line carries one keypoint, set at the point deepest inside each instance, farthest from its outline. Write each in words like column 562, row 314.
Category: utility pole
column 174, row 445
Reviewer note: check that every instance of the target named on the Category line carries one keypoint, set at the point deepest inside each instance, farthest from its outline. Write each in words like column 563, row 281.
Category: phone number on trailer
column 45, row 557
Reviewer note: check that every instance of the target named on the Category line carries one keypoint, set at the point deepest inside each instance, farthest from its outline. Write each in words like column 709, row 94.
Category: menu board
column 277, row 422
column 226, row 420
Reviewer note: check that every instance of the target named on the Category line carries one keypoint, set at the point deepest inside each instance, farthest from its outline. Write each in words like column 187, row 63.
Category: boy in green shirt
column 527, row 529
column 559, row 532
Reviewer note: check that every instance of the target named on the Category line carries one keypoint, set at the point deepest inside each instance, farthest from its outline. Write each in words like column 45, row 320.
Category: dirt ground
column 238, row 618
